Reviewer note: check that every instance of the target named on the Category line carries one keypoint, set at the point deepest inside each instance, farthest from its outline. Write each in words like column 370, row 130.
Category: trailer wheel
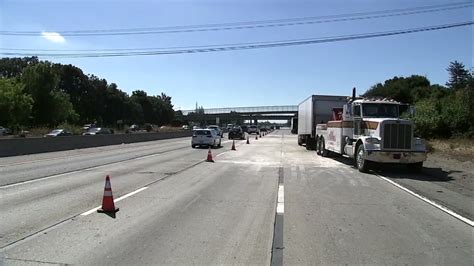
column 300, row 141
column 361, row 164
column 309, row 143
column 323, row 151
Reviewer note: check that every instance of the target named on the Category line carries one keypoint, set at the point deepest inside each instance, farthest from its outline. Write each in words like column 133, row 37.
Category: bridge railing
column 255, row 109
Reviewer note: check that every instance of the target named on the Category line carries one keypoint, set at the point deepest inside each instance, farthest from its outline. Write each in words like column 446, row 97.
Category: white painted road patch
column 281, row 200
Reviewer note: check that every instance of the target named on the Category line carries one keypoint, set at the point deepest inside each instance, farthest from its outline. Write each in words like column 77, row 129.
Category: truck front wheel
column 361, row 163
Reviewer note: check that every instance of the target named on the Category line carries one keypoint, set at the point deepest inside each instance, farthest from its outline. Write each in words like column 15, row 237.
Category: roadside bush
column 428, row 120
column 74, row 129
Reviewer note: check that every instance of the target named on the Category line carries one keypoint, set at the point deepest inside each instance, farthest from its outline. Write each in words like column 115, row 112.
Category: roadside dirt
column 451, row 169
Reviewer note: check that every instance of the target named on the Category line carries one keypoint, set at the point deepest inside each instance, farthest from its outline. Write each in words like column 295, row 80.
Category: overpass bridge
column 239, row 115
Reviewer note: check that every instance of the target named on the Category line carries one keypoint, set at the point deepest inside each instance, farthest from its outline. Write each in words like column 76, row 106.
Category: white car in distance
column 216, row 128
column 205, row 137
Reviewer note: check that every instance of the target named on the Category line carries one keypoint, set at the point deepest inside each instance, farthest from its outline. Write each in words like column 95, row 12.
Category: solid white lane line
column 281, row 194
column 281, row 200
column 432, row 203
column 280, row 208
column 116, row 200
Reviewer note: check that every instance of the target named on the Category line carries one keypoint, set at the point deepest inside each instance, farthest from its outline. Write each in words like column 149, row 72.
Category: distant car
column 253, row 129
column 58, row 133
column 5, row 131
column 236, row 133
column 134, row 127
column 87, row 126
column 98, row 131
column 205, row 137
column 244, row 128
column 185, row 127
column 218, row 129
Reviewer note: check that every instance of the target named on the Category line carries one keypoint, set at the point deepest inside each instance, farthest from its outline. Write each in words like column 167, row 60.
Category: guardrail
column 20, row 146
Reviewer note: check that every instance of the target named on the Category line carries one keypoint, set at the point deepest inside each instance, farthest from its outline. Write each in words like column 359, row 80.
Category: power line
column 244, row 46
column 253, row 24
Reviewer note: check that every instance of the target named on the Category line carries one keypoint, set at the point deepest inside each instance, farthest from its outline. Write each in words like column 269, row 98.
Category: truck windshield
column 380, row 110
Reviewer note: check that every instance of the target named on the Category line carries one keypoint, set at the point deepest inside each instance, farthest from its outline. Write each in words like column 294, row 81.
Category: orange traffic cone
column 260, row 134
column 256, row 137
column 108, row 199
column 209, row 156
column 248, row 141
column 233, row 145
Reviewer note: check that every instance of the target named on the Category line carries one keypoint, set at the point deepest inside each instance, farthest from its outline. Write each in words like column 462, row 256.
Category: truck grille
column 397, row 136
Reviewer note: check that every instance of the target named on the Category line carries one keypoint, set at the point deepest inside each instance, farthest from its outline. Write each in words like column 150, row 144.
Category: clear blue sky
column 276, row 76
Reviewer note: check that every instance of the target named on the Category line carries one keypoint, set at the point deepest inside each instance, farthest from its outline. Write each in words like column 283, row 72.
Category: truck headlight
column 372, row 141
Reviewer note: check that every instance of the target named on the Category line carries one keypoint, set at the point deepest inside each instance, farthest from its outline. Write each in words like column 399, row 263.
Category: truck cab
column 371, row 131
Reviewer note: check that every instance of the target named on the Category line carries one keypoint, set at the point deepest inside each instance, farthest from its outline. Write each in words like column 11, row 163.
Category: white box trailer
column 314, row 110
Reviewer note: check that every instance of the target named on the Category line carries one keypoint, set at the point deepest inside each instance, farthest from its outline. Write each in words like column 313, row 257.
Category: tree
column 143, row 100
column 15, row 104
column 459, row 77
column 75, row 83
column 399, row 88
column 13, row 67
column 64, row 93
column 50, row 106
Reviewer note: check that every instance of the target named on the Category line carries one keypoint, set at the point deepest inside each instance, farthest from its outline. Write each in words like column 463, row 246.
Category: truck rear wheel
column 361, row 164
column 323, row 151
column 318, row 146
column 310, row 144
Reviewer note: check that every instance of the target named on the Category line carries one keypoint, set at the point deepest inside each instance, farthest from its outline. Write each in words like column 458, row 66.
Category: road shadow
column 207, row 147
column 111, row 214
column 396, row 171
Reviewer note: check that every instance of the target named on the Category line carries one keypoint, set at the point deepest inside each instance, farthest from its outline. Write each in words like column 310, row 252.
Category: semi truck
column 315, row 109
column 368, row 130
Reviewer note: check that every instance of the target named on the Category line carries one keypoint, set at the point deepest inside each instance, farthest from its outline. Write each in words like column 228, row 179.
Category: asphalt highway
column 268, row 202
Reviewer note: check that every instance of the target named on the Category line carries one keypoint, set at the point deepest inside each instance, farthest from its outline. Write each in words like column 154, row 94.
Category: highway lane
column 190, row 211
column 337, row 215
column 29, row 207
column 214, row 212
column 23, row 168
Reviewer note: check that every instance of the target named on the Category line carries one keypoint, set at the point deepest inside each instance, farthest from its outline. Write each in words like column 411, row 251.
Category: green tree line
column 441, row 111
column 39, row 93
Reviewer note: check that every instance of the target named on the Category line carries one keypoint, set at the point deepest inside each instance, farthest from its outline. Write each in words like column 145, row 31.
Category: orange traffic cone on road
column 209, row 156
column 256, row 137
column 248, row 140
column 108, row 199
column 233, row 145
column 260, row 134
